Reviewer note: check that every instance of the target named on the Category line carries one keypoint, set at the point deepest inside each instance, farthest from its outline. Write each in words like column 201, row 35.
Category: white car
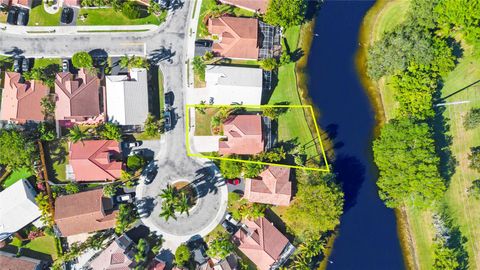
column 230, row 219
column 124, row 198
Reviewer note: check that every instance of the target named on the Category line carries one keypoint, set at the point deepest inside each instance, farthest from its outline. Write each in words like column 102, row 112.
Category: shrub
column 474, row 190
column 472, row 119
column 135, row 162
column 131, row 10
column 82, row 60
column 182, row 255
column 269, row 64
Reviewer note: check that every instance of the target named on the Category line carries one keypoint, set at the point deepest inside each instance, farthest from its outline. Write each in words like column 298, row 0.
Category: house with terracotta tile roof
column 77, row 97
column 9, row 261
column 84, row 212
column 237, row 37
column 243, row 135
column 157, row 264
column 272, row 186
column 96, row 160
column 22, row 3
column 21, row 99
column 263, row 244
column 259, row 6
column 117, row 256
column 71, row 3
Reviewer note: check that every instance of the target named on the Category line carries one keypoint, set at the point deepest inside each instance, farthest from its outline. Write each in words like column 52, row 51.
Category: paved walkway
column 72, row 30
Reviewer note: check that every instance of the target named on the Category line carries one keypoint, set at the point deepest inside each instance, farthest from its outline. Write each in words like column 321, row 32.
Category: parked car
column 167, row 115
column 169, row 99
column 133, row 144
column 22, row 17
column 124, row 198
column 65, row 65
column 230, row 219
column 229, row 227
column 16, row 64
column 12, row 16
column 203, row 43
column 234, row 181
column 25, row 64
column 67, row 15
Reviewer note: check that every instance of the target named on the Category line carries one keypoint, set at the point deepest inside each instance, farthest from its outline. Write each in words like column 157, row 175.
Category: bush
column 474, row 190
column 131, row 10
column 474, row 158
column 472, row 119
column 82, row 60
column 182, row 255
column 135, row 162
column 269, row 64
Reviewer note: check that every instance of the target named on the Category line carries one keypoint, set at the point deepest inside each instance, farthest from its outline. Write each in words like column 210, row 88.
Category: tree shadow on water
column 351, row 174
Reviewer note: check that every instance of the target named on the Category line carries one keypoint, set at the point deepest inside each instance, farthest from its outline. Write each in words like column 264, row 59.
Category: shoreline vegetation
column 374, row 92
column 424, row 233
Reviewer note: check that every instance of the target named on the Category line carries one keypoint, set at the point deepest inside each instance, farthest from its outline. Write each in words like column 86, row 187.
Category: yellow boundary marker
column 308, row 107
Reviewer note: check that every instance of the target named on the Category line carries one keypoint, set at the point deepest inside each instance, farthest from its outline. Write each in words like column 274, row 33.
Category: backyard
column 107, row 16
column 39, row 17
column 58, row 158
column 44, row 245
column 21, row 173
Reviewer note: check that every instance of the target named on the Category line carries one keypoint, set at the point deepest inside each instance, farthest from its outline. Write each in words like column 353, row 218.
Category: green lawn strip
column 392, row 15
column 44, row 62
column 59, row 156
column 203, row 122
column 207, row 6
column 107, row 16
column 44, row 244
column 39, row 17
column 144, row 137
column 22, row 173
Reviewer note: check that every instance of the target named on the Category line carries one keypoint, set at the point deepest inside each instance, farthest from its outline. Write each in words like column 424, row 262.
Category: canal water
column 367, row 236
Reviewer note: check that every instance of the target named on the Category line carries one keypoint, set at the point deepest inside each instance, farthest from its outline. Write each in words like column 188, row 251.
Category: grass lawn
column 207, row 6
column 44, row 244
column 464, row 211
column 59, row 157
column 3, row 17
column 39, row 17
column 203, row 122
column 44, row 62
column 198, row 82
column 22, row 173
column 107, row 16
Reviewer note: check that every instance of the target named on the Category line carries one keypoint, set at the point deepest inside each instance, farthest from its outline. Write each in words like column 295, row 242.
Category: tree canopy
column 182, row 255
column 82, row 60
column 317, row 207
column 409, row 168
column 16, row 150
column 286, row 13
column 220, row 247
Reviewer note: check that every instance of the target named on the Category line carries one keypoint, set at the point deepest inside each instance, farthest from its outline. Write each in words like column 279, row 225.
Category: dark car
column 234, row 182
column 167, row 115
column 25, row 64
column 169, row 96
column 229, row 227
column 203, row 43
column 67, row 15
column 12, row 16
column 22, row 17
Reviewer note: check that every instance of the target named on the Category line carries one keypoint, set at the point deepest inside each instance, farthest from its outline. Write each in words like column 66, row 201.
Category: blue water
column 367, row 236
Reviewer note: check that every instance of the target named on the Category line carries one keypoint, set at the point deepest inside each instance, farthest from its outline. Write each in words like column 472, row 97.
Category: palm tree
column 167, row 211
column 182, row 205
column 169, row 194
column 76, row 134
column 126, row 61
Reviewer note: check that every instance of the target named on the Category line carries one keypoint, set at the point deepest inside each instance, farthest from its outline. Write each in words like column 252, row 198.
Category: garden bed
column 186, row 188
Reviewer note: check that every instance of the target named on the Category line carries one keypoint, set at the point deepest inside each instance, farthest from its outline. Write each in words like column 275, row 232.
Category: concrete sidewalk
column 72, row 30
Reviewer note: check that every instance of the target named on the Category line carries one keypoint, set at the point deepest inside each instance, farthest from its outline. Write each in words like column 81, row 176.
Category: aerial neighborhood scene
column 239, row 134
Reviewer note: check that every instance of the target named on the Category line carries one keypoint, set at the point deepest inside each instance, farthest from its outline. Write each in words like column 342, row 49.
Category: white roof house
column 228, row 85
column 17, row 208
column 127, row 98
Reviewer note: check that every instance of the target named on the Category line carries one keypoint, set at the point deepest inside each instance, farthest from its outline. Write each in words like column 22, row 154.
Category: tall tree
column 409, row 167
column 82, row 60
column 16, row 150
column 220, row 247
column 286, row 13
column 182, row 255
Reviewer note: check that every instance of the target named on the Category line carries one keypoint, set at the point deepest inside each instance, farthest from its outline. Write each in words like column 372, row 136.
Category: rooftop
column 272, row 186
column 244, row 135
column 252, row 5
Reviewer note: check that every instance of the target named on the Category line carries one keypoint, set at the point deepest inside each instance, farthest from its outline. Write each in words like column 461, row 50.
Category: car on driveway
column 22, row 17
column 12, row 16
column 235, row 181
column 124, row 198
column 65, row 65
column 25, row 64
column 230, row 219
column 67, row 15
column 169, row 96
column 133, row 144
column 167, row 115
column 229, row 227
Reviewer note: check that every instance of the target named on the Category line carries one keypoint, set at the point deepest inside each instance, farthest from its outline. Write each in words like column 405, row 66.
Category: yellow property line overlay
column 308, row 107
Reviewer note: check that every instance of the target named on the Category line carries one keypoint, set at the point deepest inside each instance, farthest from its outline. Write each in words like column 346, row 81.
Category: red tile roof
column 84, row 212
column 21, row 100
column 244, row 135
column 272, row 186
column 23, row 3
column 252, row 5
column 263, row 244
column 77, row 96
column 238, row 37
column 92, row 160
column 11, row 262
column 116, row 256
